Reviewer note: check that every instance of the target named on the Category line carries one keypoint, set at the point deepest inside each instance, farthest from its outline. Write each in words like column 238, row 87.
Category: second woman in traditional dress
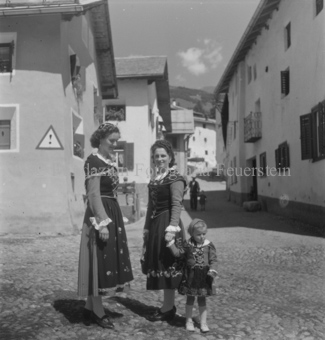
column 163, row 224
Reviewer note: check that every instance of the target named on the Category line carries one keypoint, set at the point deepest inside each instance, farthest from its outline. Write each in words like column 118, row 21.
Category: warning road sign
column 50, row 141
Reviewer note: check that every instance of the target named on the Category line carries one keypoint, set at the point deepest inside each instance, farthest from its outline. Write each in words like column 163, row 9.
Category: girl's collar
column 193, row 243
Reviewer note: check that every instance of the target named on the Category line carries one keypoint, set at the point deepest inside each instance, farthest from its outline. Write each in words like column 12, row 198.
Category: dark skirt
column 104, row 267
column 196, row 282
column 163, row 270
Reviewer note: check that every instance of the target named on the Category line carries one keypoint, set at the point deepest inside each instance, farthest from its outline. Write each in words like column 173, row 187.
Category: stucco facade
column 202, row 143
column 42, row 180
column 292, row 42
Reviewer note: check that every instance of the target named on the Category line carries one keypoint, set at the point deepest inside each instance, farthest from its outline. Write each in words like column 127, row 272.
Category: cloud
column 191, row 59
column 180, row 78
column 199, row 60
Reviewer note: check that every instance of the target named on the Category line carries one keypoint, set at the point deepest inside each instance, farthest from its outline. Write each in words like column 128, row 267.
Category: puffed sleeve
column 177, row 192
column 212, row 257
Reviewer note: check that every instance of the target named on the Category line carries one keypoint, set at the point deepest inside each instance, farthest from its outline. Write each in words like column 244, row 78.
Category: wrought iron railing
column 253, row 127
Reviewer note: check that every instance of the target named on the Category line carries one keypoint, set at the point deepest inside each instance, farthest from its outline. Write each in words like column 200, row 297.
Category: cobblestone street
column 271, row 284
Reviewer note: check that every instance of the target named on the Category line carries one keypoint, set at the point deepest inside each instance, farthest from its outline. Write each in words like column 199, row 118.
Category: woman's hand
column 104, row 234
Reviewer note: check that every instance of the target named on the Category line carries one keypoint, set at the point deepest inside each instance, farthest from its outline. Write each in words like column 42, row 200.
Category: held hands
column 213, row 273
column 145, row 236
column 169, row 236
column 104, row 234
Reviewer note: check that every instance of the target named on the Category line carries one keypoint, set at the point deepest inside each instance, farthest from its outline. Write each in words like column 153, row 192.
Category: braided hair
column 163, row 144
column 103, row 131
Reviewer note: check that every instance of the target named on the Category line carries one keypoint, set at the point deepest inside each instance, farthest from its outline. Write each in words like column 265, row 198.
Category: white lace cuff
column 215, row 273
column 145, row 232
column 99, row 226
column 170, row 243
column 172, row 229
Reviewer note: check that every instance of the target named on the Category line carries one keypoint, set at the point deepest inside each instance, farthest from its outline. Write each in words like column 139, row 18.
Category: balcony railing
column 253, row 127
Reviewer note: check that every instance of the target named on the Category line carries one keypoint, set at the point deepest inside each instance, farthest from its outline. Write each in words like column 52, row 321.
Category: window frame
column 312, row 133
column 319, row 5
column 287, row 36
column 10, row 38
column 285, row 82
column 14, row 116
column 120, row 117
column 282, row 157
column 263, row 164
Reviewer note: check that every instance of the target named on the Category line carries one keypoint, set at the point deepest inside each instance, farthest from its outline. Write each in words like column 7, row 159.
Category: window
column 9, row 133
column 263, row 163
column 235, row 165
column 6, row 53
column 319, row 6
column 193, row 139
column 249, row 74
column 285, row 82
column 287, row 36
column 173, row 141
column 78, row 76
column 4, row 134
column 206, row 152
column 205, row 140
column 125, row 155
column 78, row 137
column 98, row 112
column 115, row 112
column 282, row 159
column 204, row 126
column 312, row 130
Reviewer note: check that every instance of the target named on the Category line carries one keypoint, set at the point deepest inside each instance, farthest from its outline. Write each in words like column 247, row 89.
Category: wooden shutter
column 5, row 134
column 285, row 79
column 83, row 77
column 129, row 156
column 306, row 136
column 321, row 128
column 286, row 156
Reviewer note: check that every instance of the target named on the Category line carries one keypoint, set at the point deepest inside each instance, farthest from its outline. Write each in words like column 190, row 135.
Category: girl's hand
column 104, row 234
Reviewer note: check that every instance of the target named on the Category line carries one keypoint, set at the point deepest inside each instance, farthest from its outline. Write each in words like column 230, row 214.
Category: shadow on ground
column 221, row 213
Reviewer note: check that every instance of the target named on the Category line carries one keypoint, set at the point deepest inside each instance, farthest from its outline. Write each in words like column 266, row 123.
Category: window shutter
column 321, row 128
column 286, row 156
column 306, row 136
column 285, row 82
column 73, row 63
column 129, row 156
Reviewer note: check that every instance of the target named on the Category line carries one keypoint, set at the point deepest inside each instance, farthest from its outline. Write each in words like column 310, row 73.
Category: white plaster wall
column 280, row 116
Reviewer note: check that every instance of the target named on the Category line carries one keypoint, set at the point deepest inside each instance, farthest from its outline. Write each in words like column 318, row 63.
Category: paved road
column 271, row 283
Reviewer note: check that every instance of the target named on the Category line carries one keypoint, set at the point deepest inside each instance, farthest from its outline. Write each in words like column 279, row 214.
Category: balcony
column 253, row 127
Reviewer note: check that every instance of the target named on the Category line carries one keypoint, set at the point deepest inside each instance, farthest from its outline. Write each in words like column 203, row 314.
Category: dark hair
column 103, row 131
column 163, row 144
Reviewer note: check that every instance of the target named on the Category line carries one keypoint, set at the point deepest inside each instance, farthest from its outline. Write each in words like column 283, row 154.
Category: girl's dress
column 104, row 266
column 163, row 270
column 199, row 259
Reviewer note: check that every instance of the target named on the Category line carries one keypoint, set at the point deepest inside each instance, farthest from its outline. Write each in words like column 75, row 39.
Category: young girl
column 200, row 270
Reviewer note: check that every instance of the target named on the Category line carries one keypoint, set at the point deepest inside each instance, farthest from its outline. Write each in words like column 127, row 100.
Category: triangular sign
column 50, row 141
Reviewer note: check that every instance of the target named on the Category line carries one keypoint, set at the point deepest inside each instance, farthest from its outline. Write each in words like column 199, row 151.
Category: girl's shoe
column 190, row 326
column 204, row 328
column 104, row 322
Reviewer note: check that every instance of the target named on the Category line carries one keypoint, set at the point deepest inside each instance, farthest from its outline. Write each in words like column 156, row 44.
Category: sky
column 197, row 36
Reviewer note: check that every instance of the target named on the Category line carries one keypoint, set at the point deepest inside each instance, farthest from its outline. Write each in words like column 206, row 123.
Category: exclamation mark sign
column 50, row 139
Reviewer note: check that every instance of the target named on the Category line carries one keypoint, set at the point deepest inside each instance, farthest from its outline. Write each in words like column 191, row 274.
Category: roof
column 257, row 23
column 141, row 67
column 182, row 121
column 99, row 16
column 204, row 120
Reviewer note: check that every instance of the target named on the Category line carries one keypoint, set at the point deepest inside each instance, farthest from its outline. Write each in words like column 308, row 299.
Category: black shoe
column 104, row 322
column 86, row 317
column 160, row 316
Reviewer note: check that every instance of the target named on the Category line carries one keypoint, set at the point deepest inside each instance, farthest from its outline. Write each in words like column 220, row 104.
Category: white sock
column 203, row 314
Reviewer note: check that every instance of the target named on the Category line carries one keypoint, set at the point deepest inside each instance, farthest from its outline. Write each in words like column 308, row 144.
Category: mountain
column 190, row 98
column 209, row 89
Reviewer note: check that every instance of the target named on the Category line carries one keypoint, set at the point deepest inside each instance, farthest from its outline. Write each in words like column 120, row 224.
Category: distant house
column 182, row 128
column 56, row 64
column 202, row 144
column 142, row 112
column 273, row 117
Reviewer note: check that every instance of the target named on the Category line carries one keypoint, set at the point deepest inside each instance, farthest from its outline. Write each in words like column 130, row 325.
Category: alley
column 270, row 286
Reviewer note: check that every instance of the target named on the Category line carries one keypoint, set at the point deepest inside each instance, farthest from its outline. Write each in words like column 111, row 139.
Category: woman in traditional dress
column 104, row 261
column 162, row 225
